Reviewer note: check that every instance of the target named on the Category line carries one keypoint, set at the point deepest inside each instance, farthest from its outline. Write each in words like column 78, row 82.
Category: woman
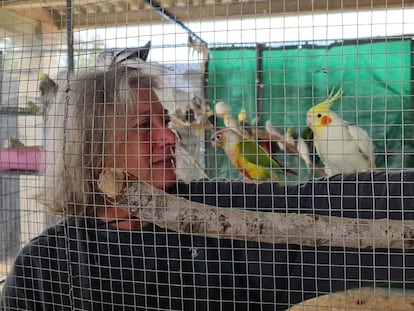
column 100, row 258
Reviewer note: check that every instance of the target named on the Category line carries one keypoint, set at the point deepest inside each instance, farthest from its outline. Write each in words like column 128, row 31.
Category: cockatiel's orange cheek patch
column 325, row 120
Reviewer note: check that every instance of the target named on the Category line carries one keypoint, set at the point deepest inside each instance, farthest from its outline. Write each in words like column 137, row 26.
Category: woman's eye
column 143, row 125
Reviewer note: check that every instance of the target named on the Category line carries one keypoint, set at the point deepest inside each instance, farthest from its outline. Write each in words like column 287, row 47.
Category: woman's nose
column 170, row 137
column 164, row 137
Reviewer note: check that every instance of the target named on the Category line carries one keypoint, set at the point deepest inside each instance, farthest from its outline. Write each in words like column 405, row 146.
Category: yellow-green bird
column 249, row 157
column 33, row 108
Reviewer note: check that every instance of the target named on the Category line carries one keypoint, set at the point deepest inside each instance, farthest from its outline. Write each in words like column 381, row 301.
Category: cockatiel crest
column 344, row 148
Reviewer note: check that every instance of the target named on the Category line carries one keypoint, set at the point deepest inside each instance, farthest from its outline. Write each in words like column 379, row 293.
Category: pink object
column 22, row 159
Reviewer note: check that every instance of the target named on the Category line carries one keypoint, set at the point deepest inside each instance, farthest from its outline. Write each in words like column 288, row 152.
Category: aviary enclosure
column 302, row 111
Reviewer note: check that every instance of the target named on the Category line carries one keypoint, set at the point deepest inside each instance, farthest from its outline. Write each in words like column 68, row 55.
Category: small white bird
column 344, row 148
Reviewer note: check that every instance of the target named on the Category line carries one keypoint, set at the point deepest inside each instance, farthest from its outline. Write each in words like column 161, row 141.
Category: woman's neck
column 119, row 218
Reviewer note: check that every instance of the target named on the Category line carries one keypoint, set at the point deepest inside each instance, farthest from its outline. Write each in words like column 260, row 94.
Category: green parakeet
column 249, row 157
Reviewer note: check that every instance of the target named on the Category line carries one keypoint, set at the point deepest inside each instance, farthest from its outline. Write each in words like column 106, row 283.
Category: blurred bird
column 222, row 110
column 12, row 143
column 243, row 117
column 197, row 114
column 204, row 118
column 244, row 124
column 186, row 165
column 203, row 114
column 196, row 117
column 307, row 135
column 33, row 108
column 280, row 139
column 289, row 136
column 200, row 46
column 249, row 157
column 343, row 147
column 48, row 89
column 252, row 131
column 112, row 57
column 303, row 149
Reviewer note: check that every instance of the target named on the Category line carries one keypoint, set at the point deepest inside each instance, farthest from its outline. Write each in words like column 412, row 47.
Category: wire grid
column 237, row 80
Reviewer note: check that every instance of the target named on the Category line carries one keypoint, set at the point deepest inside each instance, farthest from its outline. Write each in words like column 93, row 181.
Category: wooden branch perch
column 181, row 215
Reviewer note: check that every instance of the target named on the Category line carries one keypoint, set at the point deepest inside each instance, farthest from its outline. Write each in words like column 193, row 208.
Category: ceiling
column 39, row 17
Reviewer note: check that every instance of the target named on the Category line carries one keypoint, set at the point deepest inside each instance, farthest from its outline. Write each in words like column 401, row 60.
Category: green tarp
column 375, row 77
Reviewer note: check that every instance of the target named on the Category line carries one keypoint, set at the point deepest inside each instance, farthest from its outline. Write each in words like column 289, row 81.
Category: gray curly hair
column 75, row 130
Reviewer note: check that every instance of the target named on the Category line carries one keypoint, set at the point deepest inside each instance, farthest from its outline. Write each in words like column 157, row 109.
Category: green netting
column 375, row 78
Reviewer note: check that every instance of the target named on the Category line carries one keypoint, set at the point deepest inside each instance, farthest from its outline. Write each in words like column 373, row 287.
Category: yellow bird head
column 225, row 139
column 320, row 116
column 242, row 117
column 42, row 75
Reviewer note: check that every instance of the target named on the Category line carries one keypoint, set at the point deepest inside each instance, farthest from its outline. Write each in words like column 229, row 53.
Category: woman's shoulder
column 54, row 237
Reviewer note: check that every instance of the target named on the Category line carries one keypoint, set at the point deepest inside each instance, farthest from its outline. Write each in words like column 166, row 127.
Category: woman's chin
column 164, row 180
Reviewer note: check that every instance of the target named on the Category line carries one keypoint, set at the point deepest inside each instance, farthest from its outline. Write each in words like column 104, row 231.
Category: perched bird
column 343, row 147
column 248, row 156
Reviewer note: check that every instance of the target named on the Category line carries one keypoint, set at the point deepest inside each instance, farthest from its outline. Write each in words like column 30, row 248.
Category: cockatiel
column 249, row 157
column 344, row 148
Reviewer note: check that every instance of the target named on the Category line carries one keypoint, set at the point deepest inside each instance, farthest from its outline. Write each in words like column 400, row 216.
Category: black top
column 82, row 264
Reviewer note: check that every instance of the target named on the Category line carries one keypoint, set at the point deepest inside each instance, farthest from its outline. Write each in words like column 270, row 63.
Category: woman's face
column 142, row 144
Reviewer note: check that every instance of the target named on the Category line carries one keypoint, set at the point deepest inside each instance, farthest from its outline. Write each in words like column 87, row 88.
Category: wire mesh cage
column 206, row 155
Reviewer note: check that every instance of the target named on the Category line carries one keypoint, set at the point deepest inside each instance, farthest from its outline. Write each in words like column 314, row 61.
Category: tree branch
column 181, row 215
